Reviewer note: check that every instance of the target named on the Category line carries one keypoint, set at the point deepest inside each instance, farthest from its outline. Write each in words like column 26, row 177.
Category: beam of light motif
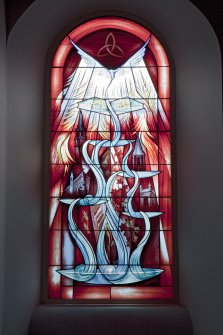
column 110, row 47
column 113, row 94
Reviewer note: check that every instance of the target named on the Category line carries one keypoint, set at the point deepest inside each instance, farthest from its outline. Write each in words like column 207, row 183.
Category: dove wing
column 138, row 56
column 89, row 60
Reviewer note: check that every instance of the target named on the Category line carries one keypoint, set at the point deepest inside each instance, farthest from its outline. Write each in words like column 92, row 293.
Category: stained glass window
column 110, row 219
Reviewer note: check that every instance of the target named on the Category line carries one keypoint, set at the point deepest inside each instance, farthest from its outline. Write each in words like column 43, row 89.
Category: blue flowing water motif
column 97, row 269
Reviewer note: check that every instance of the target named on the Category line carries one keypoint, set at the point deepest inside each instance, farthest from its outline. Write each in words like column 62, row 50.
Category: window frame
column 46, row 174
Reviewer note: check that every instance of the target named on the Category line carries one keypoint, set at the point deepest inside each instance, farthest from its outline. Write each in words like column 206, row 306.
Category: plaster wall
column 196, row 55
column 2, row 151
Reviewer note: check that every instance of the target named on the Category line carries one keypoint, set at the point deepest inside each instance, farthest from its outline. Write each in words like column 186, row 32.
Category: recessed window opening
column 110, row 220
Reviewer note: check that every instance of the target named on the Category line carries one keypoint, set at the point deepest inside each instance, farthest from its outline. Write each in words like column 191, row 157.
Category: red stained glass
column 165, row 208
column 110, row 226
column 141, row 293
column 92, row 292
column 67, row 293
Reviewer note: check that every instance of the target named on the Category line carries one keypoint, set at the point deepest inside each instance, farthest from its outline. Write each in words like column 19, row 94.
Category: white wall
column 2, row 151
column 196, row 55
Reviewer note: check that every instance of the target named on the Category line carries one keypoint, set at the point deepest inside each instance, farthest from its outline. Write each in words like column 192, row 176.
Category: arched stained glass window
column 110, row 226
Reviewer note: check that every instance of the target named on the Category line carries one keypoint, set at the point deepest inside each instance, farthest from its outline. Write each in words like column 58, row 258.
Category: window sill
column 111, row 320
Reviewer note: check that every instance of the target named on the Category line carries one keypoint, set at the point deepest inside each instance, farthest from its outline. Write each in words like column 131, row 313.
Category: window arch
column 110, row 225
